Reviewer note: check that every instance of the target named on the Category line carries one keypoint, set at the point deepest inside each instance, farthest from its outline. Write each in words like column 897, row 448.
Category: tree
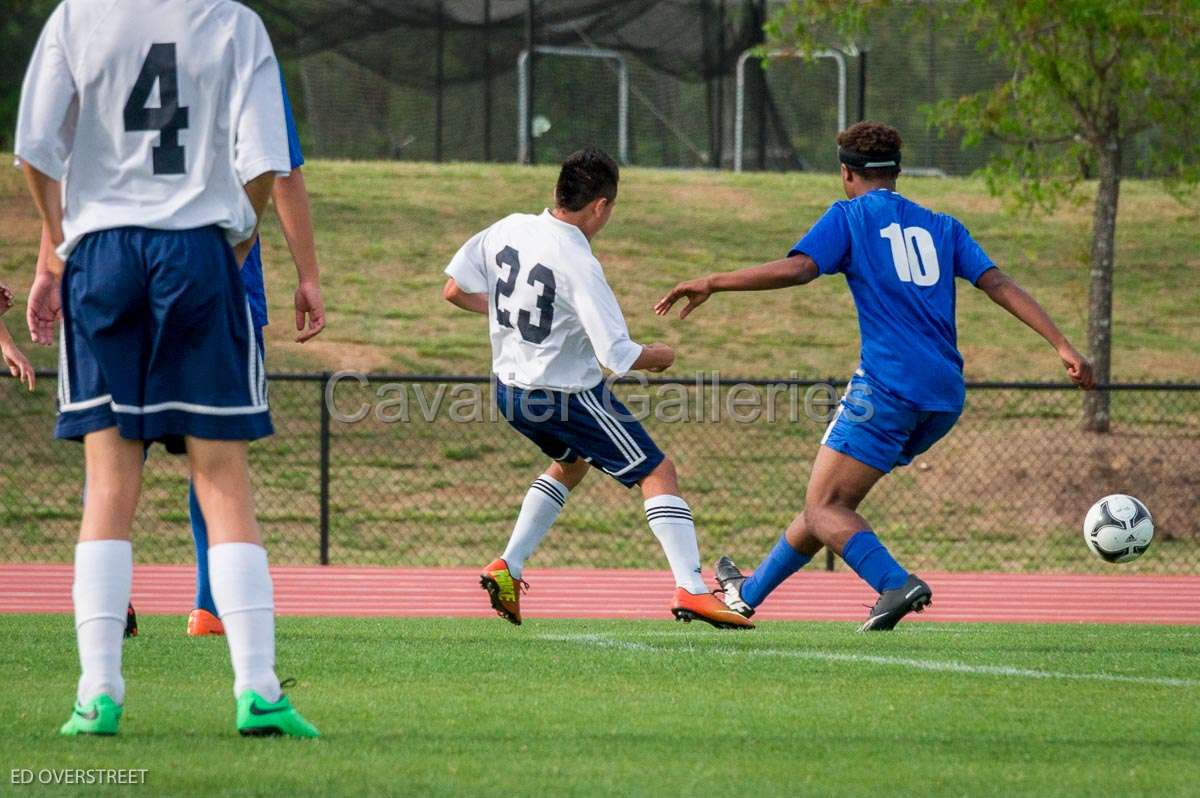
column 1098, row 88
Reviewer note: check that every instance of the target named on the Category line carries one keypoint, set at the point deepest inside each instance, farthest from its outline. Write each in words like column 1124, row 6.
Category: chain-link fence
column 431, row 475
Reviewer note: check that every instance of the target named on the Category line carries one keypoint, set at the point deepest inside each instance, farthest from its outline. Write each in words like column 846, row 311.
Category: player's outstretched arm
column 18, row 365
column 1005, row 292
column 796, row 270
column 295, row 217
column 476, row 303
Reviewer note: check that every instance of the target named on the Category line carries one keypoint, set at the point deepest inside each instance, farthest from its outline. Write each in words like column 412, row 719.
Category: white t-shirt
column 553, row 318
column 153, row 113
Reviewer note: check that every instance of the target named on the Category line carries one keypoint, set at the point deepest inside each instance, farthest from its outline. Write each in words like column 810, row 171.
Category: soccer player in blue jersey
column 290, row 197
column 899, row 260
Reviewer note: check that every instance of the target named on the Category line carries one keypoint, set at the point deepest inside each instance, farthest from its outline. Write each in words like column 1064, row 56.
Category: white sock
column 245, row 599
column 671, row 522
column 541, row 507
column 103, row 579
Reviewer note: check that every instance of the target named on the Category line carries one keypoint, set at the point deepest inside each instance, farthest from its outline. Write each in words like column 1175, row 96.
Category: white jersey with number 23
column 553, row 317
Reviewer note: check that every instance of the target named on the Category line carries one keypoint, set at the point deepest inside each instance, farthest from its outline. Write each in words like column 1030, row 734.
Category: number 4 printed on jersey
column 168, row 118
column 913, row 253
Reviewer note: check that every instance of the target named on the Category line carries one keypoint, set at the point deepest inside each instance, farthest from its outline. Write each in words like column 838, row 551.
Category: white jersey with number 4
column 153, row 113
column 553, row 317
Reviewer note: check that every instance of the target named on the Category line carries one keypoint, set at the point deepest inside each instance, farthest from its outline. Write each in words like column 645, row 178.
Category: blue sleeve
column 970, row 261
column 293, row 135
column 827, row 242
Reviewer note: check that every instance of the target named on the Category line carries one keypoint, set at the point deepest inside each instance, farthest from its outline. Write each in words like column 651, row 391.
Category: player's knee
column 662, row 480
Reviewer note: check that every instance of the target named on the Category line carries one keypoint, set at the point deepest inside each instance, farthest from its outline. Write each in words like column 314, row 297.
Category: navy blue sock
column 782, row 562
column 204, row 599
column 871, row 560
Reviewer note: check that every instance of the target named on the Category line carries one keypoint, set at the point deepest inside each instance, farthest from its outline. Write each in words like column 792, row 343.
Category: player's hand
column 660, row 357
column 45, row 307
column 6, row 300
column 696, row 292
column 18, row 365
column 309, row 303
column 1078, row 368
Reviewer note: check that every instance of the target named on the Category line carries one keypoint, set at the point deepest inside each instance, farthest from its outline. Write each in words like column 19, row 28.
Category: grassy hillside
column 385, row 231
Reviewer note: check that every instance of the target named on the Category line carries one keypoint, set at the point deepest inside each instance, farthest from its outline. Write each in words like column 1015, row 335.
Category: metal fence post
column 325, row 442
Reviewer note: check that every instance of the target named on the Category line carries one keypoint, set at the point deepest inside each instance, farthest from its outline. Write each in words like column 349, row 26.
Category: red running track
column 571, row 593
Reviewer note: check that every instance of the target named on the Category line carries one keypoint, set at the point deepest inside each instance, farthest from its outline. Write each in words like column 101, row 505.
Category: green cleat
column 101, row 716
column 256, row 717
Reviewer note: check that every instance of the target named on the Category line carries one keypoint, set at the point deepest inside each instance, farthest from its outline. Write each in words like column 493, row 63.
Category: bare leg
column 221, row 476
column 837, row 486
column 569, row 474
column 114, row 483
column 662, row 481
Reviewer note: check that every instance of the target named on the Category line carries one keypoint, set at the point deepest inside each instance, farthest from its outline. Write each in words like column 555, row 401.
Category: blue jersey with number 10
column 900, row 261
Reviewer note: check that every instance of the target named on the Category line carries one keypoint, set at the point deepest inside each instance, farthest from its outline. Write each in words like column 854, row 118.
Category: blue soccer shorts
column 157, row 340
column 591, row 424
column 882, row 430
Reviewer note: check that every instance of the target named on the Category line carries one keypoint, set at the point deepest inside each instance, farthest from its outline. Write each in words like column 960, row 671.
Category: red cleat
column 706, row 607
column 202, row 623
column 503, row 590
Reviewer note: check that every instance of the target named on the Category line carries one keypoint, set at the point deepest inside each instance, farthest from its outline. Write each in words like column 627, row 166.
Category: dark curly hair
column 872, row 138
column 586, row 175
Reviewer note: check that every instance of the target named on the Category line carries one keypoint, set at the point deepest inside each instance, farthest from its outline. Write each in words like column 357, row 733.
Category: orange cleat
column 202, row 622
column 706, row 607
column 503, row 590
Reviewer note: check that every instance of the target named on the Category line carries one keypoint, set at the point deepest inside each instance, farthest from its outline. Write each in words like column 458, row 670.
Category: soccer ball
column 1118, row 528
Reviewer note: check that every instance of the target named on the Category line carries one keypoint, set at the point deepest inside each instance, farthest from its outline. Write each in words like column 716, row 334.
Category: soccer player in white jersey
column 150, row 133
column 554, row 321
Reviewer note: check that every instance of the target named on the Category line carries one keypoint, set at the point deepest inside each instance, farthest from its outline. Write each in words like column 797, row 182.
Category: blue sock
column 871, row 560
column 204, row 599
column 782, row 562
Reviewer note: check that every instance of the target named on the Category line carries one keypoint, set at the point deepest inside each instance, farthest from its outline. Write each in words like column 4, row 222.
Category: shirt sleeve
column 261, row 143
column 49, row 104
column 293, row 136
column 468, row 267
column 827, row 242
column 970, row 261
column 602, row 320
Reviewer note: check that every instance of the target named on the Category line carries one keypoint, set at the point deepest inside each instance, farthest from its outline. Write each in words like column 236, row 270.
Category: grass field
column 442, row 707
column 385, row 231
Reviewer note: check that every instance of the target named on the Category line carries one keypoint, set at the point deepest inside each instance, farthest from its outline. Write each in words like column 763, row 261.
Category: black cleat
column 730, row 579
column 130, row 622
column 913, row 596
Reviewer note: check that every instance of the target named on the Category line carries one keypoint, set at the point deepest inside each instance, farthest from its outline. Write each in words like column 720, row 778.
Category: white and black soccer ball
column 1118, row 528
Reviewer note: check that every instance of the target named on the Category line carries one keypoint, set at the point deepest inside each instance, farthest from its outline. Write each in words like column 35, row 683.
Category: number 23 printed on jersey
column 539, row 275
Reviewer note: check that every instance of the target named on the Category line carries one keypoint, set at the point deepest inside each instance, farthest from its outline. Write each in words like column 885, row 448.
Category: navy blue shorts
column 882, row 430
column 158, row 341
column 591, row 424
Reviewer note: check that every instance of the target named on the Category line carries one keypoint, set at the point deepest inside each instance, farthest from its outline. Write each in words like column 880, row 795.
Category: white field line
column 946, row 666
